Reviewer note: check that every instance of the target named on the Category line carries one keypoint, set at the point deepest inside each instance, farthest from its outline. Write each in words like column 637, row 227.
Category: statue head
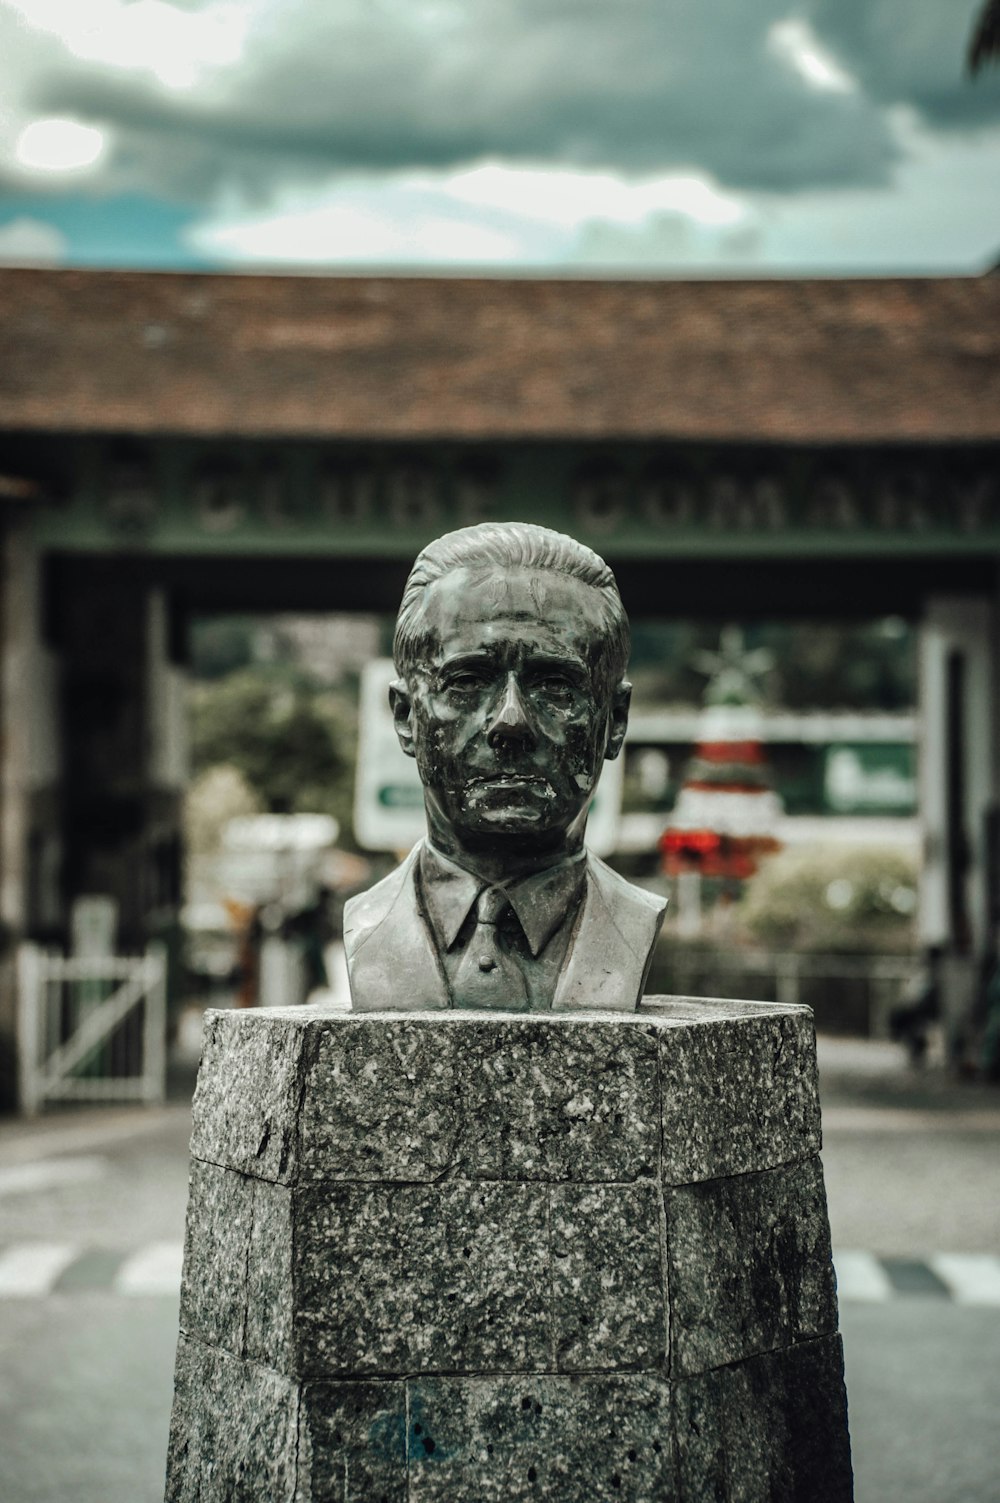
column 511, row 647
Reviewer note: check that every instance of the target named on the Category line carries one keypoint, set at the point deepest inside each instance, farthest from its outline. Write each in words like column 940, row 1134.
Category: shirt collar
column 541, row 901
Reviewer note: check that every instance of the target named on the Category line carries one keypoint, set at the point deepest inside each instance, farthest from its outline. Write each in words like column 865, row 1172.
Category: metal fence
column 91, row 1029
column 849, row 993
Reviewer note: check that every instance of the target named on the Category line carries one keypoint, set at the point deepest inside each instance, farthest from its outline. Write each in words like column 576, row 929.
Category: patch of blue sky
column 126, row 230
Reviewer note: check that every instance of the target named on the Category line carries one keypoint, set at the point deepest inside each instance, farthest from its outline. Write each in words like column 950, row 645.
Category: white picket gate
column 91, row 1028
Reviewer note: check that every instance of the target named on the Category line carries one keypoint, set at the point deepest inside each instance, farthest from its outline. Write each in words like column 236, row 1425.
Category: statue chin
column 513, row 810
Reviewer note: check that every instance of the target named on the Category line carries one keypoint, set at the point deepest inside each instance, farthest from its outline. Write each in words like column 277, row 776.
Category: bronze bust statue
column 511, row 647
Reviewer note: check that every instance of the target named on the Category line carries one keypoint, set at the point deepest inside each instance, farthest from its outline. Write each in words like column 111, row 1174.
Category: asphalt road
column 85, row 1390
column 96, row 1202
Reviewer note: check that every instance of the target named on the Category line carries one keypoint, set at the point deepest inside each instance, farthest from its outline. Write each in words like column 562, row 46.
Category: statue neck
column 506, row 858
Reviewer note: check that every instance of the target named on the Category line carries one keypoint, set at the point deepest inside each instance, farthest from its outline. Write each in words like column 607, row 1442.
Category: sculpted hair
column 495, row 546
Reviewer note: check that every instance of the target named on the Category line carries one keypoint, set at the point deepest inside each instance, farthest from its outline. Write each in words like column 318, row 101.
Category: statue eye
column 466, row 680
column 554, row 683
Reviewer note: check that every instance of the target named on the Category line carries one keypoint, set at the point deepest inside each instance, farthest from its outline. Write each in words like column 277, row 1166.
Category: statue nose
column 510, row 723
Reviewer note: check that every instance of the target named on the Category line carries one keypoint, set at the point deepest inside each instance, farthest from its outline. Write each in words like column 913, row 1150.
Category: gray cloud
column 329, row 86
column 911, row 52
column 638, row 86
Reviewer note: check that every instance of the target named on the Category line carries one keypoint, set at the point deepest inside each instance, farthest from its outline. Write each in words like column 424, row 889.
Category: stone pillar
column 959, row 787
column 955, row 799
column 30, row 778
column 479, row 1258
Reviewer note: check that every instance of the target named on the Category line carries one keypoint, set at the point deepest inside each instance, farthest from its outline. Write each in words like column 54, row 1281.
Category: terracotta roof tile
column 806, row 360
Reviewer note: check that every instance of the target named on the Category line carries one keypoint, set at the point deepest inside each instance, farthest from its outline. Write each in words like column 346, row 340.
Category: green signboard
column 870, row 777
column 631, row 499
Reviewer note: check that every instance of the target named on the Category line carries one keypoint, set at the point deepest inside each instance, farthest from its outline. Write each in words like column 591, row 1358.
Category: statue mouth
column 504, row 794
column 513, row 780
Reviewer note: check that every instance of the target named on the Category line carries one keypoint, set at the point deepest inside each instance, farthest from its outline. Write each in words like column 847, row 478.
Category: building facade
column 175, row 444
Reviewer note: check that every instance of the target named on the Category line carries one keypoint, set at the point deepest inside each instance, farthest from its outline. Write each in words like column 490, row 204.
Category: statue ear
column 618, row 719
column 402, row 706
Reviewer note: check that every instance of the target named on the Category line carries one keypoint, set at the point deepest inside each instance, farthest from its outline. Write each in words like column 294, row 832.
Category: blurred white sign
column 280, row 832
column 267, row 858
column 388, row 798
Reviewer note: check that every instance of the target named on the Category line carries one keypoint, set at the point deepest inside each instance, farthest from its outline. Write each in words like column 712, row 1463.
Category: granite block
column 236, row 1290
column 608, row 1298
column 352, row 1443
column 749, row 1266
column 233, row 1431
column 216, row 1242
column 678, row 1009
column 769, row 1430
column 428, row 1258
column 484, row 1098
column 739, row 1093
column 269, row 1290
column 511, row 1439
column 285, row 1095
column 246, row 1104
column 395, row 1279
column 467, row 1277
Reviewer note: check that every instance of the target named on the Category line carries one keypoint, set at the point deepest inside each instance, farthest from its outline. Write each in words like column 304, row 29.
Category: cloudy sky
column 646, row 136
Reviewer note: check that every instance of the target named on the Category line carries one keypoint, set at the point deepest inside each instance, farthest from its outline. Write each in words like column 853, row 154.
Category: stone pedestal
column 461, row 1257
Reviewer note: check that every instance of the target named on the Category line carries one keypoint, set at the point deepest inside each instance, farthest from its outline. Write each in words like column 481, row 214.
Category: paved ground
column 911, row 1160
column 91, row 1218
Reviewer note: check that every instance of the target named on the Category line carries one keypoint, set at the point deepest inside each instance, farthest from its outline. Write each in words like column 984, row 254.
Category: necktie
column 486, row 977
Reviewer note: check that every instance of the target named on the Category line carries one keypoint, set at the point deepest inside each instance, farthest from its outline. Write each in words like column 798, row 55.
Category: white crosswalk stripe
column 971, row 1279
column 860, row 1276
column 32, row 1268
column 155, row 1269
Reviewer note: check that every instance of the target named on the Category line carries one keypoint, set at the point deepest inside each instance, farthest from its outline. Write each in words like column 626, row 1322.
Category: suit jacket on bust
column 394, row 966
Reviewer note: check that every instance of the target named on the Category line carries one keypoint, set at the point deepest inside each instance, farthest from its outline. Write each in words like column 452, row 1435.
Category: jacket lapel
column 611, row 950
column 391, row 961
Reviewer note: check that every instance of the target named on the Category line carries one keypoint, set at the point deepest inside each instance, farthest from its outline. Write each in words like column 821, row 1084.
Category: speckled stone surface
column 352, row 1443
column 773, row 1428
column 508, row 1439
column 404, row 1278
column 383, row 1097
column 216, row 1242
column 246, row 1100
column 608, row 1303
column 588, row 1257
column 750, row 1266
column 530, row 1100
column 341, row 1280
column 233, row 1432
column 236, row 1291
column 241, row 1433
column 739, row 1093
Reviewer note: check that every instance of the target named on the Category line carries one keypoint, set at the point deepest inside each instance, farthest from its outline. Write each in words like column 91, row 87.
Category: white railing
column 91, row 1029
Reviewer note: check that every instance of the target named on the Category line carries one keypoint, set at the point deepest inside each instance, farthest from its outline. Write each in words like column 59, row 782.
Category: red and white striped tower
column 727, row 812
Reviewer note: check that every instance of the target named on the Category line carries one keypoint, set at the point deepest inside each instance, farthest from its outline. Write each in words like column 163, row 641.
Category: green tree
column 834, row 899
column 292, row 743
column 222, row 644
column 216, row 796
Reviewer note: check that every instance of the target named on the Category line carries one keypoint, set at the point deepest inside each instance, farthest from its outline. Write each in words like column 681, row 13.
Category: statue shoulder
column 364, row 913
column 619, row 893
